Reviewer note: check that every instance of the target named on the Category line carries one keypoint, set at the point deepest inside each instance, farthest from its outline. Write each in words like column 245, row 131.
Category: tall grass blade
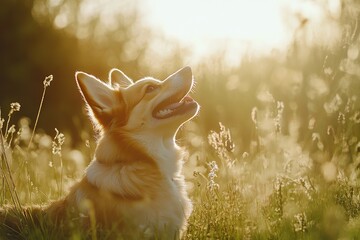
column 8, row 179
column 46, row 83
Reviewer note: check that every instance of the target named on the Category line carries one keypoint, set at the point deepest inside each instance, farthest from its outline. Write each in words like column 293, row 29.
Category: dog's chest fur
column 148, row 195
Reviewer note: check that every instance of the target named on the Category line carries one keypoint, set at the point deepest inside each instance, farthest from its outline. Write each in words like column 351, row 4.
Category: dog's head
column 147, row 105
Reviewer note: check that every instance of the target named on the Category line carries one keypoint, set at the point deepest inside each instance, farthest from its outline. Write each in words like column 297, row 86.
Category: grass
column 280, row 199
column 277, row 190
column 268, row 169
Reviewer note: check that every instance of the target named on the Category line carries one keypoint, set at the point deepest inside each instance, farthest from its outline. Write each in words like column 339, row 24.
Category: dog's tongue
column 174, row 105
column 172, row 108
column 178, row 104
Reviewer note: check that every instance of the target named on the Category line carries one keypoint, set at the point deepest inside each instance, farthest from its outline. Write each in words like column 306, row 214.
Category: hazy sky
column 258, row 25
column 207, row 24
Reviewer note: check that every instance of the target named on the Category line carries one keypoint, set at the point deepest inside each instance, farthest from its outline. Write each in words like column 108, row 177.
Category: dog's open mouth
column 173, row 106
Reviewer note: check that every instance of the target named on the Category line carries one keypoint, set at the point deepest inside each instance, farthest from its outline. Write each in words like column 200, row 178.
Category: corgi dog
column 134, row 181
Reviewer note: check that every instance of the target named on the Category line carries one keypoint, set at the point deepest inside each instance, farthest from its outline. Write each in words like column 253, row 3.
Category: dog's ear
column 117, row 77
column 184, row 73
column 98, row 96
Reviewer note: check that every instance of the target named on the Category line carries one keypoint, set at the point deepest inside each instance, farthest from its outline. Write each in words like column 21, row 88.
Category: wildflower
column 333, row 105
column 58, row 141
column 213, row 166
column 320, row 145
column 280, row 109
column 245, row 155
column 87, row 143
column 331, row 132
column 229, row 145
column 48, row 80
column 305, row 183
column 278, row 186
column 347, row 107
column 15, row 107
column 10, row 132
column 12, row 129
column 222, row 143
column 316, row 138
column 341, row 118
column 356, row 117
column 311, row 124
column 212, row 185
column 344, row 146
column 300, row 222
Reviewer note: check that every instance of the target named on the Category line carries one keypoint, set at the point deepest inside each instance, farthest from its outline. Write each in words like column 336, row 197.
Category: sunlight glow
column 229, row 28
column 210, row 25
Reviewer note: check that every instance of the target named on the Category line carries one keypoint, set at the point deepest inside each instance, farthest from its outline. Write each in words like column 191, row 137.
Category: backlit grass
column 274, row 154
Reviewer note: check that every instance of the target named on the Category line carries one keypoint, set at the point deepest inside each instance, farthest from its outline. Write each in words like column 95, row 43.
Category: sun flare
column 206, row 25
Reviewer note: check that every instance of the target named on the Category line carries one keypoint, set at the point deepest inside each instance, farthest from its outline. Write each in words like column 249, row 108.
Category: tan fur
column 134, row 181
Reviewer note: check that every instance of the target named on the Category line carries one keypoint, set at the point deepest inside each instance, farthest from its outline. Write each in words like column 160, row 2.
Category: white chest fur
column 160, row 209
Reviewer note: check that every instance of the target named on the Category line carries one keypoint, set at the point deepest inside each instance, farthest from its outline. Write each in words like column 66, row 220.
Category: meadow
column 269, row 176
column 273, row 154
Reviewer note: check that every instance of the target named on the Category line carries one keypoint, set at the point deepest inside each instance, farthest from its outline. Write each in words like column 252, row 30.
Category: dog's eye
column 151, row 88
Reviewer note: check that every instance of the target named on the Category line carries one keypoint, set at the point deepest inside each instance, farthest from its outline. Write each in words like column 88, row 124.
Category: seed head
column 212, row 185
column 15, row 107
column 58, row 141
column 48, row 80
column 356, row 117
column 300, row 222
column 12, row 129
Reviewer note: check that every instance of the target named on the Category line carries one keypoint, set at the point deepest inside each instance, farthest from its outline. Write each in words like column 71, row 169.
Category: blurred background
column 246, row 56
